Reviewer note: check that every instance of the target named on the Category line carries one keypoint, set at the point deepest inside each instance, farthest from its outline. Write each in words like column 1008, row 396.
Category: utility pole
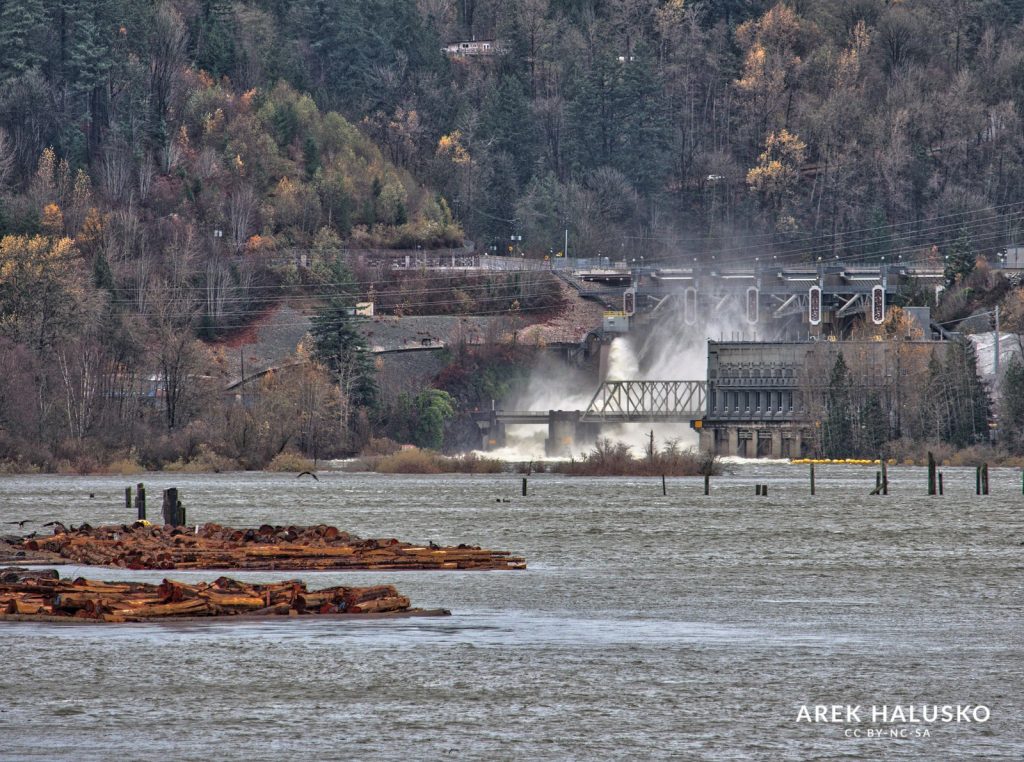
column 995, row 348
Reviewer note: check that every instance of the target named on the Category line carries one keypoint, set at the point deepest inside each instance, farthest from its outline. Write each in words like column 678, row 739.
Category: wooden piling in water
column 812, row 478
column 757, row 489
column 885, row 475
column 977, row 480
column 707, row 484
column 940, row 482
column 931, row 474
column 524, row 486
column 173, row 510
column 878, row 482
column 664, row 491
column 984, row 478
column 140, row 501
column 128, row 497
column 764, row 490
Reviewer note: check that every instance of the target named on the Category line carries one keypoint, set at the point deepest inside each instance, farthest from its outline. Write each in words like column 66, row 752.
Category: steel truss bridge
column 628, row 402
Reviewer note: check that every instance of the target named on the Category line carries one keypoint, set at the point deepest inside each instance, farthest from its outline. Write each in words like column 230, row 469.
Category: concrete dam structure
column 760, row 400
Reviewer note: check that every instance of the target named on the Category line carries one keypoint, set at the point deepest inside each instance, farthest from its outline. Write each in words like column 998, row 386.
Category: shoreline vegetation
column 607, row 457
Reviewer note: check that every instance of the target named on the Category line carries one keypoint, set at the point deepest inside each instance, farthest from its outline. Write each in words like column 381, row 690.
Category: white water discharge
column 623, row 363
column 670, row 351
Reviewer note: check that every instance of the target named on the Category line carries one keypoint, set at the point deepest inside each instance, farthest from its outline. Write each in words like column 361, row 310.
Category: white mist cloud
column 669, row 350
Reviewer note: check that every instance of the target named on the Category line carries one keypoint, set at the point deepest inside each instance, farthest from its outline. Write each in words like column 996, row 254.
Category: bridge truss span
column 646, row 402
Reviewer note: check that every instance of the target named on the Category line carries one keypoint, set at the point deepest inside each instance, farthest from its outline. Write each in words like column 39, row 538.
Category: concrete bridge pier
column 567, row 434
column 562, row 426
column 492, row 432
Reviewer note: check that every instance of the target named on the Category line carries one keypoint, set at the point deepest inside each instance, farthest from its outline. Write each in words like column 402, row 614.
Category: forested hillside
column 634, row 124
column 164, row 166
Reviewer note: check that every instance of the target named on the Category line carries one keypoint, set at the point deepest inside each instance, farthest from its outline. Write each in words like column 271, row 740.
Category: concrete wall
column 765, row 399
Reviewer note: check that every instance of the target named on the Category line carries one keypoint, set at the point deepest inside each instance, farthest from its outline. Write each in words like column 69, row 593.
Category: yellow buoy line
column 838, row 461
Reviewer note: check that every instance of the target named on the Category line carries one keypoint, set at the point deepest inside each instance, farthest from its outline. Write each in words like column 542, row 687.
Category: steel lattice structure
column 646, row 401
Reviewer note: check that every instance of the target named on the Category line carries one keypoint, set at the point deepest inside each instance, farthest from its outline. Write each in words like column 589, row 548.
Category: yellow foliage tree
column 769, row 63
column 52, row 221
column 44, row 288
column 776, row 174
column 778, row 166
column 450, row 147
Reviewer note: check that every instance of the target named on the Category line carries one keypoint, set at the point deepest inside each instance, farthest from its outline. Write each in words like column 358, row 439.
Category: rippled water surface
column 684, row 627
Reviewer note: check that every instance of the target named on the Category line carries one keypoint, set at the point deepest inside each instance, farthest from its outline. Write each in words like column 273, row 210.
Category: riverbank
column 609, row 459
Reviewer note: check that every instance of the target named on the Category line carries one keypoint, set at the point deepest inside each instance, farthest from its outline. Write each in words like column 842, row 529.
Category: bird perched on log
column 21, row 523
column 307, row 473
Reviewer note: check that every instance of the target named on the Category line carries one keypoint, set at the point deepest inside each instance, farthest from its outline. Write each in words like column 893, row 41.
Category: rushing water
column 645, row 627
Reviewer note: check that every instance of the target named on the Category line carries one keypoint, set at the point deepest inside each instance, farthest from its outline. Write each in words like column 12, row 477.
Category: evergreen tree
column 339, row 346
column 87, row 66
column 23, row 27
column 102, row 276
column 873, row 427
column 506, row 125
column 353, row 41
column 935, row 400
column 644, row 131
column 1011, row 408
column 592, row 118
column 837, row 429
column 215, row 38
column 961, row 260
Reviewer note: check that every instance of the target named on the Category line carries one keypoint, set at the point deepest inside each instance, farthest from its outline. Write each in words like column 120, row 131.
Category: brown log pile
column 140, row 546
column 41, row 594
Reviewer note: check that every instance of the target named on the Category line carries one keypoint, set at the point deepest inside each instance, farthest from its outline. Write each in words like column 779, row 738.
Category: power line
column 769, row 236
column 322, row 292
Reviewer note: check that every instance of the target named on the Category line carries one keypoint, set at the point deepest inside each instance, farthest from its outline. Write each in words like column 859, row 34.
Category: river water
column 683, row 627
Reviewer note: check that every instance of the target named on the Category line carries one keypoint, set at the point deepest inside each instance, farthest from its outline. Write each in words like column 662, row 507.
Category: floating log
column 24, row 606
column 269, row 547
column 377, row 605
column 50, row 599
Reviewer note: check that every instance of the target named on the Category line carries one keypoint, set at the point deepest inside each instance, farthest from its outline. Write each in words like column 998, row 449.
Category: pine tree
column 594, row 128
column 644, row 132
column 506, row 126
column 339, row 346
column 1011, row 408
column 23, row 28
column 215, row 38
column 935, row 400
column 961, row 259
column 837, row 430
column 87, row 63
column 873, row 427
